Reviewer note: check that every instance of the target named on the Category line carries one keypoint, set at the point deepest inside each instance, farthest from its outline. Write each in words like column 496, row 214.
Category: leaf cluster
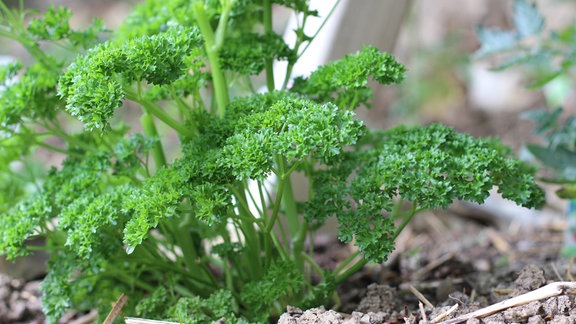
column 429, row 166
column 92, row 85
column 55, row 26
column 345, row 82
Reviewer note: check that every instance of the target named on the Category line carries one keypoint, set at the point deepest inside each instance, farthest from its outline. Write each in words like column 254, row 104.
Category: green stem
column 298, row 245
column 211, row 45
column 352, row 269
column 150, row 130
column 56, row 130
column 223, row 22
column 319, row 28
column 276, row 209
column 406, row 220
column 301, row 39
column 290, row 205
column 185, row 110
column 58, row 150
column 159, row 113
column 268, row 64
column 313, row 264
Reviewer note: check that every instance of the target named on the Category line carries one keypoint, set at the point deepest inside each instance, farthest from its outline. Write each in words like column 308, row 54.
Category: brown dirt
column 457, row 261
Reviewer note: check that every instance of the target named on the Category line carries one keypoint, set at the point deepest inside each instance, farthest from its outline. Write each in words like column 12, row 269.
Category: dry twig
column 134, row 320
column 550, row 290
column 420, row 297
column 443, row 315
column 423, row 312
column 116, row 309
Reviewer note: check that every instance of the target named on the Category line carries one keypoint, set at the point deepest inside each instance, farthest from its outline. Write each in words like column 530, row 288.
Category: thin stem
column 56, row 130
column 313, row 264
column 298, row 245
column 300, row 40
column 351, row 270
column 268, row 64
column 346, row 262
column 320, row 28
column 185, row 110
column 150, row 130
column 413, row 211
column 210, row 43
column 289, row 202
column 276, row 209
column 159, row 113
column 57, row 149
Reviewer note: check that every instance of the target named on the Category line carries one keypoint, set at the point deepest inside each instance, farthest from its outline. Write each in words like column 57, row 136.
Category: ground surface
column 457, row 261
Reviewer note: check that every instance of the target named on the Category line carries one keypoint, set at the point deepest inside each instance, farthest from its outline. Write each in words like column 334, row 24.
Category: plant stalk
column 212, row 49
column 268, row 64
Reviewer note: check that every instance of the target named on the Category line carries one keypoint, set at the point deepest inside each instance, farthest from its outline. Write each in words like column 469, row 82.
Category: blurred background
column 434, row 39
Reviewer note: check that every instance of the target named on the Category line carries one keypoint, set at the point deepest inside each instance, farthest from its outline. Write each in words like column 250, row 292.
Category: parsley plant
column 175, row 227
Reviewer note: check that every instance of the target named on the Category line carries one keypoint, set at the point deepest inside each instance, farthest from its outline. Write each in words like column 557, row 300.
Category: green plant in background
column 548, row 58
column 185, row 238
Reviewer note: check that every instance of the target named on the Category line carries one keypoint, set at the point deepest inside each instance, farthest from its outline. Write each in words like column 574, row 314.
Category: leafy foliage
column 92, row 85
column 548, row 58
column 345, row 82
column 428, row 166
column 166, row 214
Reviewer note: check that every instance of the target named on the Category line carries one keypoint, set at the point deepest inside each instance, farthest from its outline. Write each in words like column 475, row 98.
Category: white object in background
column 351, row 25
column 502, row 91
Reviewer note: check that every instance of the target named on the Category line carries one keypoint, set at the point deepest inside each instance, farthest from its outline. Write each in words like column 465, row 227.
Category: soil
column 458, row 261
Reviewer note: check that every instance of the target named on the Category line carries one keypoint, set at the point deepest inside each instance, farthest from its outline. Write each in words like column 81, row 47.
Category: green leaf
column 93, row 84
column 527, row 20
column 431, row 166
column 559, row 159
column 345, row 82
column 545, row 120
column 494, row 41
column 291, row 127
column 281, row 279
column 247, row 53
column 193, row 310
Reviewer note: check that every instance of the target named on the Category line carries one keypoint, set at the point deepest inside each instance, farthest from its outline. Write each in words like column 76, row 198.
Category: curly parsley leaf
column 430, row 166
column 55, row 26
column 93, row 85
column 280, row 280
column 291, row 127
column 247, row 53
column 345, row 82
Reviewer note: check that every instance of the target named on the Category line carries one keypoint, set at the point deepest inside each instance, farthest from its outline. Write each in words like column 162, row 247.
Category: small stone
column 17, row 310
column 5, row 292
column 536, row 320
column 287, row 319
column 293, row 311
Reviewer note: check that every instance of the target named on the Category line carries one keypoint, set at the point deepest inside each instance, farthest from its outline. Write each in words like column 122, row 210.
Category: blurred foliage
column 549, row 58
